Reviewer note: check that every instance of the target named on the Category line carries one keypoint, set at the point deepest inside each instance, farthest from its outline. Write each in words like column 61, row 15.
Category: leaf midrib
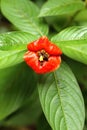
column 77, row 50
column 10, row 54
column 68, row 41
column 15, row 47
column 55, row 77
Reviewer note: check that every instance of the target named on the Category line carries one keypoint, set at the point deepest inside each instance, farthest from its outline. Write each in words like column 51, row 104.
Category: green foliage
column 60, row 7
column 73, row 41
column 28, row 113
column 15, row 40
column 60, row 95
column 23, row 14
column 14, row 95
column 13, row 46
column 61, row 100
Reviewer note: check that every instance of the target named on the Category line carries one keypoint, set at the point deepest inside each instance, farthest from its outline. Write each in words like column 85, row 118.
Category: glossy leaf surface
column 61, row 100
column 73, row 42
column 23, row 14
column 60, row 7
column 13, row 45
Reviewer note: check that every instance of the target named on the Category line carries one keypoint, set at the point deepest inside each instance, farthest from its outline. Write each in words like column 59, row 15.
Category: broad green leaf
column 15, row 40
column 16, row 87
column 27, row 114
column 60, row 7
column 73, row 42
column 13, row 46
column 61, row 99
column 23, row 14
column 10, row 58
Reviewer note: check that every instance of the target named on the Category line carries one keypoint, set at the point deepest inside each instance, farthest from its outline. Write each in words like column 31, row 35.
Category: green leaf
column 73, row 42
column 27, row 114
column 16, row 40
column 61, row 99
column 84, row 90
column 10, row 58
column 16, row 87
column 23, row 14
column 60, row 7
column 13, row 46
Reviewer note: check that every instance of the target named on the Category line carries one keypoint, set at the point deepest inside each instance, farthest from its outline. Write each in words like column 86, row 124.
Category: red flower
column 43, row 56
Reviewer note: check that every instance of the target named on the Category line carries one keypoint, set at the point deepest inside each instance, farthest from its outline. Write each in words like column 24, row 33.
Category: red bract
column 43, row 56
